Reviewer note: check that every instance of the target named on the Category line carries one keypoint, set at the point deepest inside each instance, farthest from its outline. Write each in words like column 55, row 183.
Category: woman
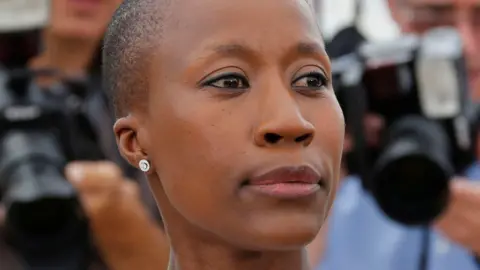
column 229, row 111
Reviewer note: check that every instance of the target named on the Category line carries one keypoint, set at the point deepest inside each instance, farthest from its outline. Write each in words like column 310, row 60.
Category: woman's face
column 85, row 19
column 243, row 128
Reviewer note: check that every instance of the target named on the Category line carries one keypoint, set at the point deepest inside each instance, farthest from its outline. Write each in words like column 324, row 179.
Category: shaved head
column 136, row 28
column 135, row 31
column 221, row 79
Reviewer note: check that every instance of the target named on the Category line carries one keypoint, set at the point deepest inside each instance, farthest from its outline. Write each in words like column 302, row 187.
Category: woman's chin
column 288, row 235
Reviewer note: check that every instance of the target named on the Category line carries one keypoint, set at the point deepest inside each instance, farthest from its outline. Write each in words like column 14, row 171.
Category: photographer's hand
column 126, row 235
column 461, row 222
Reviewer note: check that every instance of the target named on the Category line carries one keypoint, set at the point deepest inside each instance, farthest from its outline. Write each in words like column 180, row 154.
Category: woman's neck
column 68, row 55
column 193, row 248
column 213, row 257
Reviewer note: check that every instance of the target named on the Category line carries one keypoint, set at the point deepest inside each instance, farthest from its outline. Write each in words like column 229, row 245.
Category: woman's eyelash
column 316, row 78
column 232, row 80
column 313, row 80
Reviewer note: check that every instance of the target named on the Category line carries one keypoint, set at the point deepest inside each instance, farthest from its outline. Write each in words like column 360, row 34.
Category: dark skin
column 216, row 89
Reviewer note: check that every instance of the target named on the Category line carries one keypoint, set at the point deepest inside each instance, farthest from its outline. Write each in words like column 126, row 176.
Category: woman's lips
column 286, row 190
column 287, row 182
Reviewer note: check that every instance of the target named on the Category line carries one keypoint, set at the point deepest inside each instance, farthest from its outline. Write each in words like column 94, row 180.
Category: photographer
column 79, row 28
column 70, row 44
column 360, row 235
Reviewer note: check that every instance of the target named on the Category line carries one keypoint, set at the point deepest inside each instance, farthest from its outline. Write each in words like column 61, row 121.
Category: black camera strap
column 425, row 249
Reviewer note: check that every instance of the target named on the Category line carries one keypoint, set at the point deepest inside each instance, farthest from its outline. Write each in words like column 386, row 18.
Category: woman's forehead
column 261, row 25
column 205, row 11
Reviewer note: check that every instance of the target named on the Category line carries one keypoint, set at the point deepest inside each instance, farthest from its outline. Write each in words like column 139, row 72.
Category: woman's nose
column 293, row 130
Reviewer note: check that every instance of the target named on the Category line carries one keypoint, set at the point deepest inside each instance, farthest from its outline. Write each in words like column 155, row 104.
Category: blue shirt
column 361, row 237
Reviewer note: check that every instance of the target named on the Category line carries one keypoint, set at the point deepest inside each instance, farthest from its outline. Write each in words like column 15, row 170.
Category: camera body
column 418, row 86
column 41, row 130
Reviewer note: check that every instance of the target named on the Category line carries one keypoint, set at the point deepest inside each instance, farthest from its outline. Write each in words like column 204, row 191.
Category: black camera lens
column 411, row 178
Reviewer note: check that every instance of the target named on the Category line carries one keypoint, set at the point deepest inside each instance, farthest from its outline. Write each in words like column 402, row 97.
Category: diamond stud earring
column 144, row 165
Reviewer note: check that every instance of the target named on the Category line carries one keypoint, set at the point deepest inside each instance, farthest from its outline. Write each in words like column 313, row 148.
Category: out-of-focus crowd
column 53, row 49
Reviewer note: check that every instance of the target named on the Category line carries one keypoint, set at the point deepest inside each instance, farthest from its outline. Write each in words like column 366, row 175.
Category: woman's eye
column 230, row 81
column 311, row 81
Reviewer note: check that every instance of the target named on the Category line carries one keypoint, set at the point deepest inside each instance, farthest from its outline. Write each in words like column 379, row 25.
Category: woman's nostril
column 272, row 138
column 303, row 137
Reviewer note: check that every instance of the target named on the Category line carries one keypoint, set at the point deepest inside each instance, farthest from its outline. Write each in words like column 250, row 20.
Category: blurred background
column 376, row 22
column 406, row 76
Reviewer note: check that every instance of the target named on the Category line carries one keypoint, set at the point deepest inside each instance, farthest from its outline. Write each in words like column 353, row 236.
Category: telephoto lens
column 410, row 179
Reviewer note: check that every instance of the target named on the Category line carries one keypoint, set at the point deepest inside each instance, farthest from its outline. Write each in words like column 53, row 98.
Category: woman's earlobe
column 126, row 132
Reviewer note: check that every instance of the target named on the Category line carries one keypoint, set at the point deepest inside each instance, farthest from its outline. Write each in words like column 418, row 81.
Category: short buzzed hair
column 136, row 28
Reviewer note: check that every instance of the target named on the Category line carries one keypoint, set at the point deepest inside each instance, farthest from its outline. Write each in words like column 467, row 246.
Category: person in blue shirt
column 361, row 236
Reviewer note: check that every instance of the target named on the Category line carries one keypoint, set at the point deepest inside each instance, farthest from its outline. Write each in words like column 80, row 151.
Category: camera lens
column 411, row 178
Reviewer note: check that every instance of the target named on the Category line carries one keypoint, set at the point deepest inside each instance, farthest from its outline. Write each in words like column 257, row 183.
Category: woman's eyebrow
column 238, row 49
column 307, row 49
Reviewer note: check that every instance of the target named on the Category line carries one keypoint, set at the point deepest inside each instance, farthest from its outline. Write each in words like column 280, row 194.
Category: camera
column 418, row 85
column 41, row 130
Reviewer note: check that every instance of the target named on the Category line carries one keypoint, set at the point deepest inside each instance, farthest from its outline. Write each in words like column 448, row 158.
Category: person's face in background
column 82, row 19
column 418, row 16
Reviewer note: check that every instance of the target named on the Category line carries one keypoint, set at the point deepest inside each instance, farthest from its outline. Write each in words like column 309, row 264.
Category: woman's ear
column 127, row 131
